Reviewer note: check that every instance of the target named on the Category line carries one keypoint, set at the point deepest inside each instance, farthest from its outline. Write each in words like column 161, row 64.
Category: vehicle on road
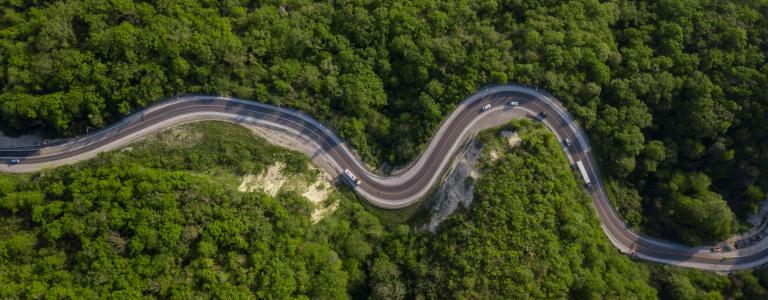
column 350, row 178
column 14, row 161
column 584, row 174
column 411, row 187
column 513, row 103
column 567, row 142
column 486, row 107
column 716, row 249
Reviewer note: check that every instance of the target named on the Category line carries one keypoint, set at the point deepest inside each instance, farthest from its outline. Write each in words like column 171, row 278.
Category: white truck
column 350, row 178
column 584, row 173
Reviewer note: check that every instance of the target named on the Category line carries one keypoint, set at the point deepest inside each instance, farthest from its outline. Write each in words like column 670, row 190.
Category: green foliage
column 143, row 222
column 673, row 283
column 191, row 147
column 661, row 87
column 530, row 233
column 671, row 92
column 626, row 200
column 694, row 207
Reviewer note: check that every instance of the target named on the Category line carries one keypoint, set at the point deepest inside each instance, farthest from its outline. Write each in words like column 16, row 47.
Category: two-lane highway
column 390, row 191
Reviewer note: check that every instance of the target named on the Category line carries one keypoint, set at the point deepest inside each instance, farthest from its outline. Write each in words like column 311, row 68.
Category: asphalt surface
column 394, row 191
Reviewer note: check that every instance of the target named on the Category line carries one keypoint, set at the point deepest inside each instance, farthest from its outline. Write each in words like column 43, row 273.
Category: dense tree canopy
column 163, row 219
column 665, row 88
column 530, row 233
column 142, row 222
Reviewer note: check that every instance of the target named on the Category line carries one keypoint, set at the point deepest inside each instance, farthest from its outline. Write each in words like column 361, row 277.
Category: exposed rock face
column 272, row 180
column 458, row 187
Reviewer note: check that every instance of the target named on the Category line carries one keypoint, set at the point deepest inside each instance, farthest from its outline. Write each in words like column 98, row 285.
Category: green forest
column 164, row 219
column 671, row 92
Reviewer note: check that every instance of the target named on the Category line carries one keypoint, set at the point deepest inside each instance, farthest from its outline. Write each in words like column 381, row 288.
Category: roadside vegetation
column 672, row 92
column 529, row 233
column 164, row 218
column 159, row 219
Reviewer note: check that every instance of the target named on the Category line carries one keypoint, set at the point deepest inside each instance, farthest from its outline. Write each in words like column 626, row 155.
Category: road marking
column 302, row 124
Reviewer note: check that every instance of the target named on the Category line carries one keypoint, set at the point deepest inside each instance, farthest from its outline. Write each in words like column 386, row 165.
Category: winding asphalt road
column 392, row 191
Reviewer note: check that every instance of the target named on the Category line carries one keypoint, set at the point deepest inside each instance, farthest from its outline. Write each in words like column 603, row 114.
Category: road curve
column 391, row 191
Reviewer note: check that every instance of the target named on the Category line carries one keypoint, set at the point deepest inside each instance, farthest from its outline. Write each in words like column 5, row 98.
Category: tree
column 385, row 280
column 361, row 93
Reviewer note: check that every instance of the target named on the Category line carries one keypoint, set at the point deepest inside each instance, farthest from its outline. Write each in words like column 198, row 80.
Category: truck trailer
column 350, row 178
column 584, row 173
